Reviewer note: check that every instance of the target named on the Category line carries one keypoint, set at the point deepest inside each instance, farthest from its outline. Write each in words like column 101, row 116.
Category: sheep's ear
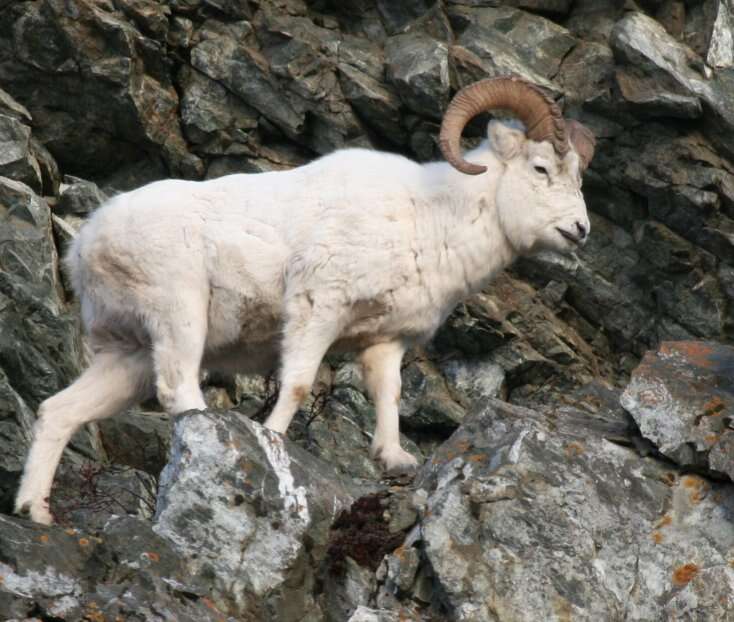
column 506, row 141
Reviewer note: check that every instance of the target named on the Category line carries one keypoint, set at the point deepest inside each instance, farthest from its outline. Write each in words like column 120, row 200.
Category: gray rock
column 641, row 41
column 86, row 494
column 345, row 594
column 39, row 347
column 397, row 16
column 16, row 429
column 418, row 68
column 538, row 42
column 721, row 47
column 231, row 480
column 426, row 402
column 525, row 521
column 679, row 397
column 365, row 614
column 16, row 160
column 648, row 97
column 140, row 440
column 499, row 55
column 79, row 197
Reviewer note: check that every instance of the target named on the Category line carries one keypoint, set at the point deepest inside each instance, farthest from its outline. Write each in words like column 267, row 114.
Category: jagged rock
column 79, row 197
column 16, row 160
column 213, row 118
column 426, row 401
column 721, row 43
column 524, row 520
column 344, row 594
column 587, row 71
column 498, row 55
column 39, row 348
column 16, row 429
column 538, row 42
column 648, row 97
column 640, row 41
column 396, row 16
column 140, row 440
column 680, row 396
column 418, row 68
column 232, row 481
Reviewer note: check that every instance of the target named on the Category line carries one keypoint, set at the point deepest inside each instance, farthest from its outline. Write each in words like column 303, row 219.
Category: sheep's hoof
column 37, row 512
column 396, row 461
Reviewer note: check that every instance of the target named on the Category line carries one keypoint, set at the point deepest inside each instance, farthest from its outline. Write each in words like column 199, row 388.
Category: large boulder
column 250, row 513
column 681, row 396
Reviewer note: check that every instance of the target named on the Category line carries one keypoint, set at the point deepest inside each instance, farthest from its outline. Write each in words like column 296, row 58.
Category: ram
column 359, row 250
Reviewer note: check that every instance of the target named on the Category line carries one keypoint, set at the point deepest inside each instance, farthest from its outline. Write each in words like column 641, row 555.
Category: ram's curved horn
column 538, row 112
column 583, row 141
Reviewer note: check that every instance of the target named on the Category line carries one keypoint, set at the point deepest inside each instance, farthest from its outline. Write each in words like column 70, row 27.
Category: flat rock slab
column 125, row 572
column 682, row 399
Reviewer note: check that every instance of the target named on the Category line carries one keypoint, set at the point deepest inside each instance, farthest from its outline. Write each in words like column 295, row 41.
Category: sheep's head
column 538, row 194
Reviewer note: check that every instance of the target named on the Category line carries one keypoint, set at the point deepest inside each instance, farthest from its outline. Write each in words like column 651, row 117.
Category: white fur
column 359, row 250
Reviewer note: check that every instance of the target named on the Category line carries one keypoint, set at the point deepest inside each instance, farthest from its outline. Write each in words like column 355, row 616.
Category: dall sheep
column 359, row 250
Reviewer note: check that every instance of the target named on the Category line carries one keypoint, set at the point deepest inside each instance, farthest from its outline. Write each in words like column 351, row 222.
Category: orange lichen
column 696, row 352
column 664, row 521
column 714, row 407
column 94, row 615
column 83, row 542
column 154, row 557
column 43, row 538
column 574, row 448
column 711, row 438
column 476, row 458
column 697, row 486
column 668, row 478
column 657, row 537
column 684, row 574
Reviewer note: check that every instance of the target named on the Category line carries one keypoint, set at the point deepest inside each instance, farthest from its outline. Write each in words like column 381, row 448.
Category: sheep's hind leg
column 114, row 381
column 381, row 366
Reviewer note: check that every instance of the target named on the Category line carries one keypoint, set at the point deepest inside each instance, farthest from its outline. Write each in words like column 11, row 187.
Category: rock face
column 568, row 474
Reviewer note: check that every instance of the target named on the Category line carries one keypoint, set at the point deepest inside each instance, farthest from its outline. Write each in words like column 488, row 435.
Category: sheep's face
column 538, row 195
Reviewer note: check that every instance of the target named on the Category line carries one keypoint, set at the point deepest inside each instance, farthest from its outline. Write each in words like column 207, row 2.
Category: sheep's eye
column 542, row 170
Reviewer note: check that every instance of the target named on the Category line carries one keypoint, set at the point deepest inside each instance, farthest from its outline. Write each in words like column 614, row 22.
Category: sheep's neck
column 467, row 246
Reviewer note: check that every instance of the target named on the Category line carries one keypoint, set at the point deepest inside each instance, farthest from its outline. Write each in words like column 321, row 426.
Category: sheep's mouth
column 576, row 239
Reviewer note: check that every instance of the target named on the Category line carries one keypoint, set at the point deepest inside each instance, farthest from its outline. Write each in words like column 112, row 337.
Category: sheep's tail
column 115, row 380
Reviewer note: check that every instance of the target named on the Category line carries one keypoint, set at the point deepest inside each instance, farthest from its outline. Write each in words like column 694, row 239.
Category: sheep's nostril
column 583, row 230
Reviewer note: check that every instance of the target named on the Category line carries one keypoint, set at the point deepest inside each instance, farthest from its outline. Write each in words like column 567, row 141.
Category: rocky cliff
column 567, row 474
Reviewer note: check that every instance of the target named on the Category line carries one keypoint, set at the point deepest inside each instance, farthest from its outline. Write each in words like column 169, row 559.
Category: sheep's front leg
column 381, row 366
column 304, row 345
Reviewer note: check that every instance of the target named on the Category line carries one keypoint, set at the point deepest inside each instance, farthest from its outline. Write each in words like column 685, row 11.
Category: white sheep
column 359, row 250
